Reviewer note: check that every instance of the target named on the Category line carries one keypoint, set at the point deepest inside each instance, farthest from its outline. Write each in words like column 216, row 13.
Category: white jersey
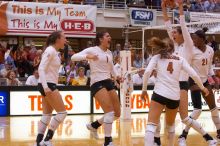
column 184, row 49
column 49, row 66
column 202, row 62
column 102, row 68
column 168, row 73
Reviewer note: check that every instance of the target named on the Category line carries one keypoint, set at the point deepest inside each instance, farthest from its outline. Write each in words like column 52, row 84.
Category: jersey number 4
column 170, row 67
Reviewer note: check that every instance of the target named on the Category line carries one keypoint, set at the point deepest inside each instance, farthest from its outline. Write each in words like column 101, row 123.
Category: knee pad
column 151, row 127
column 187, row 121
column 45, row 119
column 171, row 128
column 157, row 132
column 60, row 116
column 109, row 117
column 195, row 114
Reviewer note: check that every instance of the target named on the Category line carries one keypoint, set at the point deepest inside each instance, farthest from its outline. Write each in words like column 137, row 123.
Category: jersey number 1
column 170, row 67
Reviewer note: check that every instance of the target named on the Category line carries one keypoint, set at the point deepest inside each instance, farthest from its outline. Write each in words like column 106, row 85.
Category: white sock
column 171, row 135
column 43, row 123
column 215, row 118
column 149, row 134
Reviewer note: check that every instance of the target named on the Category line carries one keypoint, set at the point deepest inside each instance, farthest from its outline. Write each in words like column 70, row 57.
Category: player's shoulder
column 50, row 50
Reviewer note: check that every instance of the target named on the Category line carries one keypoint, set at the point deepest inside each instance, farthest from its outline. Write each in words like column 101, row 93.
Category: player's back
column 168, row 72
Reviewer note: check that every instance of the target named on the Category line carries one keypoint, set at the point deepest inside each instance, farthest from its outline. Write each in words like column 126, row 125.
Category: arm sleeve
column 81, row 55
column 187, row 68
column 169, row 29
column 46, row 58
column 151, row 66
column 186, row 35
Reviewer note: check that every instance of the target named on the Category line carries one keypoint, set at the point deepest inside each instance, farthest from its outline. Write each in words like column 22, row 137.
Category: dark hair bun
column 205, row 29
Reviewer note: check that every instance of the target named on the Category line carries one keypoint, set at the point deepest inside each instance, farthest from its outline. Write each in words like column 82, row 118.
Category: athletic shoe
column 46, row 143
column 155, row 144
column 212, row 142
column 182, row 141
column 110, row 144
column 93, row 131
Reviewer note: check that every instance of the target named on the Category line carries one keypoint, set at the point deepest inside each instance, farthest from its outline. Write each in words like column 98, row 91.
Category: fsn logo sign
column 142, row 15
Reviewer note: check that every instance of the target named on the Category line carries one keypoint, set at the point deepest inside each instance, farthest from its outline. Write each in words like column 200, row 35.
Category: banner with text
column 213, row 27
column 142, row 17
column 30, row 102
column 40, row 19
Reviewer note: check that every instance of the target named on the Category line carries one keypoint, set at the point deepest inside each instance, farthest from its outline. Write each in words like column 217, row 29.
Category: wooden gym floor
column 21, row 131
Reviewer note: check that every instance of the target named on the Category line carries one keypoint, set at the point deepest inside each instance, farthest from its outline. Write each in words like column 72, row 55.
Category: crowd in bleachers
column 19, row 64
column 190, row 5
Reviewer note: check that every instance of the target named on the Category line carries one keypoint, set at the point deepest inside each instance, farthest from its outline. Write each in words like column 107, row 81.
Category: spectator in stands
column 85, row 65
column 9, row 61
column 198, row 6
column 32, row 53
column 217, row 6
column 23, row 65
column 209, row 5
column 81, row 79
column 138, row 78
column 37, row 59
column 2, row 59
column 71, row 72
column 33, row 79
column 137, row 63
column 187, row 5
column 12, row 80
column 117, row 50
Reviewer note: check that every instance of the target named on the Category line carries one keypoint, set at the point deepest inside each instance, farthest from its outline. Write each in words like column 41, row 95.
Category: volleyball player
column 183, row 45
column 166, row 93
column 202, row 64
column 102, row 87
column 48, row 79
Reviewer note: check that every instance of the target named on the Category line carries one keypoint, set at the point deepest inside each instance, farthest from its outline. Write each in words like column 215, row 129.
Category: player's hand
column 179, row 2
column 144, row 95
column 47, row 91
column 205, row 91
column 163, row 4
column 92, row 57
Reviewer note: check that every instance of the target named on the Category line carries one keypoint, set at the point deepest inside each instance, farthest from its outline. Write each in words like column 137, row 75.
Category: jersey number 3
column 170, row 67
